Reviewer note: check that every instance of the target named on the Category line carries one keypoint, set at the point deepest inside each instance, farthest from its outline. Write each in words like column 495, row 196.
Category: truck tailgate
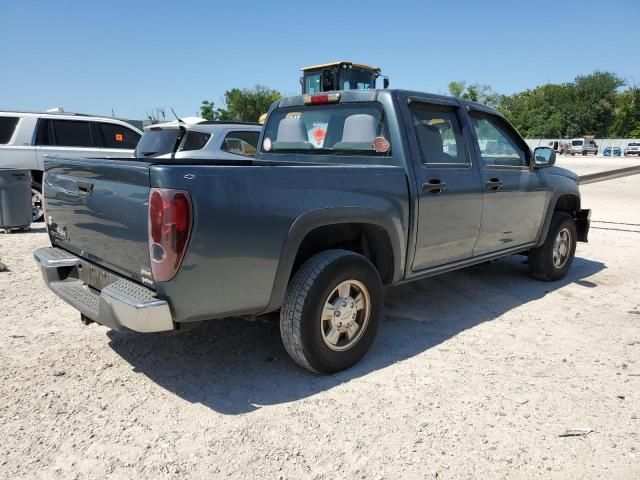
column 98, row 210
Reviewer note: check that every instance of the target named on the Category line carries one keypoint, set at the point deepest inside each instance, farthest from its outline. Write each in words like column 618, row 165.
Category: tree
column 156, row 115
column 590, row 105
column 475, row 92
column 241, row 105
column 626, row 121
column 208, row 111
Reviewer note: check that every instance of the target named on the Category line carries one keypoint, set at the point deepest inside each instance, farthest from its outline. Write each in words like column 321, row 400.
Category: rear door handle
column 434, row 185
column 494, row 184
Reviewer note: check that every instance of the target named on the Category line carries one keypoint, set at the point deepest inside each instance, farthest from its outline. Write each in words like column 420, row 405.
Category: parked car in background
column 350, row 191
column 583, row 146
column 203, row 140
column 560, row 146
column 632, row 149
column 612, row 152
column 26, row 138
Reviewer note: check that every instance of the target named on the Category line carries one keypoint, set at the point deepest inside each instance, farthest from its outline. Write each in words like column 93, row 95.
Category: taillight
column 170, row 218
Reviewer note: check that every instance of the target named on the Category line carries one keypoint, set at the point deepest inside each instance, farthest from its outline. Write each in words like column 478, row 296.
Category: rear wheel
column 552, row 260
column 37, row 202
column 331, row 311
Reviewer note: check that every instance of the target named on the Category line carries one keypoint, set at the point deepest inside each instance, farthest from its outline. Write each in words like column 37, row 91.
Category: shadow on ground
column 234, row 366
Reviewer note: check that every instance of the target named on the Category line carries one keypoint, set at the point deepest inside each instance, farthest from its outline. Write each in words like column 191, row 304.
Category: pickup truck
column 349, row 192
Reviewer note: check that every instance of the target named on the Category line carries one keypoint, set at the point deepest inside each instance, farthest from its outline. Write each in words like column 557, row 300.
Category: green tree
column 241, row 105
column 208, row 111
column 626, row 121
column 475, row 92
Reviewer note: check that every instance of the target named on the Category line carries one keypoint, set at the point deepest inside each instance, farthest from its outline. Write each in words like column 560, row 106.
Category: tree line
column 600, row 104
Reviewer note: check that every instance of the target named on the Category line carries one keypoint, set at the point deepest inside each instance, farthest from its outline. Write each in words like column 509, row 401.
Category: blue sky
column 133, row 56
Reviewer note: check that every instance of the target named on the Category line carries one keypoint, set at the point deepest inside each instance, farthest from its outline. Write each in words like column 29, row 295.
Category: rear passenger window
column 118, row 136
column 71, row 133
column 439, row 135
column 241, row 143
column 195, row 141
column 498, row 146
column 7, row 127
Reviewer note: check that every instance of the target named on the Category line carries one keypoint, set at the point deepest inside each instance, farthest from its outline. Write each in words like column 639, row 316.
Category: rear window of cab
column 338, row 129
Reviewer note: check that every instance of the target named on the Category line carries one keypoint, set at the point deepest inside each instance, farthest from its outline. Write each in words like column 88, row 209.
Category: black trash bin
column 15, row 199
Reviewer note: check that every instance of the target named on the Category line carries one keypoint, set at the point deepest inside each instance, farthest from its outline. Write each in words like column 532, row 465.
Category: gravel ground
column 474, row 374
column 584, row 165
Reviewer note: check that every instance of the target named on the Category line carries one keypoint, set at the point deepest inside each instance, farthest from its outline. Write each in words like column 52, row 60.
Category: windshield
column 577, row 143
column 357, row 80
column 634, row 144
column 158, row 142
column 312, row 82
column 345, row 129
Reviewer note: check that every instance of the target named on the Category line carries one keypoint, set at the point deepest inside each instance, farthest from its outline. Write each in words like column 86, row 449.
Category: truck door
column 514, row 196
column 449, row 187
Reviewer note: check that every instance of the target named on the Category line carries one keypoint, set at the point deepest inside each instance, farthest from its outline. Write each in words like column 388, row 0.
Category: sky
column 130, row 57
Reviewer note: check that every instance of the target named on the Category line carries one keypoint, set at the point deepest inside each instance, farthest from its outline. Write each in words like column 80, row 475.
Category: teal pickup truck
column 349, row 192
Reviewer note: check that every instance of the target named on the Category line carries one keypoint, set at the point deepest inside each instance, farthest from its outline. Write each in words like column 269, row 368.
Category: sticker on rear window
column 119, row 137
column 266, row 144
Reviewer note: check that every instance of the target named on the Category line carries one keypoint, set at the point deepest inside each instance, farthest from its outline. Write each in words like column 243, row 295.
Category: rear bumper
column 583, row 222
column 121, row 305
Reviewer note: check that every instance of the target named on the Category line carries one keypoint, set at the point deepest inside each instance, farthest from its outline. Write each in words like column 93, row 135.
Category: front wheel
column 552, row 260
column 331, row 311
column 37, row 202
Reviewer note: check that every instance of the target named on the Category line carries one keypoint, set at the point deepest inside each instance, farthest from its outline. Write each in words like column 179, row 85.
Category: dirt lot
column 475, row 374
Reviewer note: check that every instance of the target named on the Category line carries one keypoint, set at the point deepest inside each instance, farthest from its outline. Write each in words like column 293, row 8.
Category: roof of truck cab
column 340, row 62
column 370, row 95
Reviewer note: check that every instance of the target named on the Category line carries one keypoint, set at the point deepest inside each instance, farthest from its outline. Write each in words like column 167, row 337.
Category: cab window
column 498, row 146
column 332, row 129
column 439, row 135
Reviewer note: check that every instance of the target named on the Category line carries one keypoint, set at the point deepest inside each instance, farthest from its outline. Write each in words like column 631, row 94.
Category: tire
column 307, row 337
column 544, row 261
column 584, row 152
column 37, row 206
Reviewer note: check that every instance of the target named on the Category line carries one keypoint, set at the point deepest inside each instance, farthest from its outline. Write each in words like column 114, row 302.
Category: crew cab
column 26, row 138
column 350, row 191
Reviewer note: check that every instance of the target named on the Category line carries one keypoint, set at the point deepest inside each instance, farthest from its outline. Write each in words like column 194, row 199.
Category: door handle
column 84, row 188
column 494, row 184
column 434, row 185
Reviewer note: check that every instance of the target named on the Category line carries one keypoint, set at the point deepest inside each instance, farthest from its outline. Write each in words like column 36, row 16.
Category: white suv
column 25, row 138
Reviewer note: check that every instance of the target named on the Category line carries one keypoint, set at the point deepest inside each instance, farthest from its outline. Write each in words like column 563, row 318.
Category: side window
column 7, row 127
column 71, row 133
column 118, row 136
column 195, row 141
column 498, row 147
column 439, row 135
column 44, row 136
column 241, row 143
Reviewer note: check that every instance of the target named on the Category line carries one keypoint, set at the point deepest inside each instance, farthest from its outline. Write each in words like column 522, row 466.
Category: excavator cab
column 340, row 76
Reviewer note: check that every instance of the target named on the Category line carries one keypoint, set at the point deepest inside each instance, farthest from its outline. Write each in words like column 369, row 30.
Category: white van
column 25, row 138
column 583, row 146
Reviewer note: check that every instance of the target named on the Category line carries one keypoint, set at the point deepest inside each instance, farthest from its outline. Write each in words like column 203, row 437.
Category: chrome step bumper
column 121, row 305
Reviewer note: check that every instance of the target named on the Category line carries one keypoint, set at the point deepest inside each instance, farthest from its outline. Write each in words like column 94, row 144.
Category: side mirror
column 385, row 82
column 544, row 157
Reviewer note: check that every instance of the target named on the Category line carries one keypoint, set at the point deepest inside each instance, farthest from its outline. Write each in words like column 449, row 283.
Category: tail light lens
column 170, row 219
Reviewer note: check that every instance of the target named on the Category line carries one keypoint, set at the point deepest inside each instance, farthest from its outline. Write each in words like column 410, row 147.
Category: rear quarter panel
column 244, row 216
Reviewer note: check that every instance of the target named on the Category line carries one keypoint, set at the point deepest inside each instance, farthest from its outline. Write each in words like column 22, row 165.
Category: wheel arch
column 564, row 201
column 322, row 229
